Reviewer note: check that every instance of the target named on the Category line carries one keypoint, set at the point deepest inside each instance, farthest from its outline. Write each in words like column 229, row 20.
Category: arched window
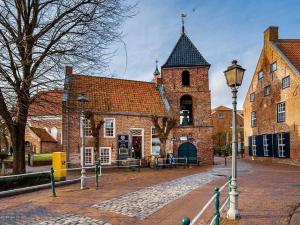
column 186, row 110
column 185, row 78
column 54, row 132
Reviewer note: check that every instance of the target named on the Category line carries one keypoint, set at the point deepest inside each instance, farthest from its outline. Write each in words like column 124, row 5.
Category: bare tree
column 163, row 129
column 37, row 39
column 3, row 136
column 95, row 127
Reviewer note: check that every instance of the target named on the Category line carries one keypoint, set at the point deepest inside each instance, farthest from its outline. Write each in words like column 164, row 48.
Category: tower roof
column 185, row 54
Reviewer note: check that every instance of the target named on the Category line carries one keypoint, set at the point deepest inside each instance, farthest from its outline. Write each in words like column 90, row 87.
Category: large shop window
column 87, row 129
column 281, row 112
column 109, row 127
column 155, row 145
column 88, row 156
column 105, row 155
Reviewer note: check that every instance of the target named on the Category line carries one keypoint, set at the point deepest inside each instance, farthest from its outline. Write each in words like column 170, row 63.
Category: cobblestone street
column 268, row 195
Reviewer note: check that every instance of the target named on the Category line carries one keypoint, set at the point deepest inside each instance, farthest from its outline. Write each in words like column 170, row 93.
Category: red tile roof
column 221, row 108
column 291, row 49
column 43, row 134
column 116, row 95
column 47, row 103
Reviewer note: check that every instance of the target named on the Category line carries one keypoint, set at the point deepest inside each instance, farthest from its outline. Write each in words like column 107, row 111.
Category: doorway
column 137, row 143
column 189, row 151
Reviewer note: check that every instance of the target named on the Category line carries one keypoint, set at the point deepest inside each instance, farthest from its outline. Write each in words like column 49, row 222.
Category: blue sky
column 221, row 30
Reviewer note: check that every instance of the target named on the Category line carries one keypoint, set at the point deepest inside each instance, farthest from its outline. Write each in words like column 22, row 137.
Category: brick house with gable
column 44, row 124
column 222, row 125
column 272, row 103
column 126, row 107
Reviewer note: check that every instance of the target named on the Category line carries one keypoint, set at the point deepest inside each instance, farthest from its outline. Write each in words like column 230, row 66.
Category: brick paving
column 268, row 195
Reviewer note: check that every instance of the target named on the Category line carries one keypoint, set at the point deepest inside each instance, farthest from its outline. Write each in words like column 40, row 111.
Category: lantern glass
column 234, row 75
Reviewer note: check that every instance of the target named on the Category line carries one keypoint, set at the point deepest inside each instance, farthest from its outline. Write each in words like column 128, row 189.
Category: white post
column 83, row 179
column 233, row 212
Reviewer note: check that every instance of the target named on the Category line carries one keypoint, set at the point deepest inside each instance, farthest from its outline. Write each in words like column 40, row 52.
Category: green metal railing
column 217, row 209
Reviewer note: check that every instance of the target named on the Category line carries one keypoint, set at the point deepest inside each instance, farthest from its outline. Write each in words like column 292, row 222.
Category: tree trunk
column 163, row 144
column 18, row 144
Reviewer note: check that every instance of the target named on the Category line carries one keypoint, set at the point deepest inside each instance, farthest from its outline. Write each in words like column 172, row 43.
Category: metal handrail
column 215, row 197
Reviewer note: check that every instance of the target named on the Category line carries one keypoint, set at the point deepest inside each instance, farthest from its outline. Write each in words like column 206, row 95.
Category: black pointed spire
column 156, row 72
column 182, row 20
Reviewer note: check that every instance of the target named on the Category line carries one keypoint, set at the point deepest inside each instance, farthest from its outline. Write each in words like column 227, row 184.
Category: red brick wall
column 201, row 130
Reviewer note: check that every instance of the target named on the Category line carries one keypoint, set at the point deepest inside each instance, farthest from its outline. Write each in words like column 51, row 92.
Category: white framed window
column 221, row 115
column 265, row 144
column 155, row 142
column 281, row 112
column 267, row 90
column 285, row 83
column 88, row 156
column 252, row 97
column 253, row 146
column 87, row 129
column 109, row 127
column 273, row 67
column 281, row 145
column 253, row 119
column 260, row 74
column 105, row 155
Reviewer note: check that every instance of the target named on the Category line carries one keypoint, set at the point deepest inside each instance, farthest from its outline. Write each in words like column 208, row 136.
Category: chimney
column 69, row 70
column 271, row 34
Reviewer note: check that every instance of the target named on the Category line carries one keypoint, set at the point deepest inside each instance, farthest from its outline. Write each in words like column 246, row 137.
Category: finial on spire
column 182, row 20
column 156, row 72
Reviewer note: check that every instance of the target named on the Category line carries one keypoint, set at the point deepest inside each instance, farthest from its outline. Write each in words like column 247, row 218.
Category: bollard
column 217, row 206
column 52, row 182
column 97, row 175
column 186, row 221
column 229, row 190
column 83, row 179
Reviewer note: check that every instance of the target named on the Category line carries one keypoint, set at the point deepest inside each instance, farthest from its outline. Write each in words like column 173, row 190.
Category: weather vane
column 156, row 62
column 183, row 15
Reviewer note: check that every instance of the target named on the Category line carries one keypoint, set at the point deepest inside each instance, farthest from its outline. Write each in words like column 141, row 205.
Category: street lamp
column 234, row 77
column 83, row 100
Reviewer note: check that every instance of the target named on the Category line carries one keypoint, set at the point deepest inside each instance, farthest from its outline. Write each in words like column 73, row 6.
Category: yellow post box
column 59, row 164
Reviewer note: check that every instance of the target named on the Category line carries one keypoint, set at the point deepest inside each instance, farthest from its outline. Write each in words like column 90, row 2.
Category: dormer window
column 185, row 78
column 273, row 67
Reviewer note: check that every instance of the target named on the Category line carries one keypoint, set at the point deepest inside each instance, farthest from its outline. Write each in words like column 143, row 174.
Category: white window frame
column 84, row 124
column 267, row 90
column 252, row 97
column 92, row 155
column 281, row 110
column 143, row 138
column 265, row 144
column 286, row 82
column 109, row 153
column 260, row 74
column 253, row 146
column 281, row 145
column 152, row 153
column 273, row 67
column 114, row 128
column 221, row 115
column 253, row 119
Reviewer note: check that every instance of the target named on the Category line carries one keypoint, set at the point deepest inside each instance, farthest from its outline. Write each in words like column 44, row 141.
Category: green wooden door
column 189, row 151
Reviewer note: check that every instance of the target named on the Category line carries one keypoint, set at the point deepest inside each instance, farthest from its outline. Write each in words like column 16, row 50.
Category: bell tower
column 185, row 79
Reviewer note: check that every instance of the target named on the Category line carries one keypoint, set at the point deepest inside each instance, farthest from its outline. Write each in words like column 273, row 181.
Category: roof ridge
column 113, row 78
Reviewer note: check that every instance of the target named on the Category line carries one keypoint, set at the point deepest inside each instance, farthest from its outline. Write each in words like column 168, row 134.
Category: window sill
column 109, row 137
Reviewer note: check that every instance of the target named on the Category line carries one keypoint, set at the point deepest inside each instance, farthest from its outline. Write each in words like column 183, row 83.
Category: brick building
column 272, row 104
column 222, row 120
column 44, row 125
column 126, row 107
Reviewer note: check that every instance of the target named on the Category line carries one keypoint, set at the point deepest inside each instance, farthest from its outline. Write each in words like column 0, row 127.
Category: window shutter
column 250, row 145
column 259, row 145
column 287, row 144
column 275, row 145
column 270, row 144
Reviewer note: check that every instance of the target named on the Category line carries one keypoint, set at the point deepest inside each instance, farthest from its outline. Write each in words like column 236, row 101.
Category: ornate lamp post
column 83, row 100
column 234, row 77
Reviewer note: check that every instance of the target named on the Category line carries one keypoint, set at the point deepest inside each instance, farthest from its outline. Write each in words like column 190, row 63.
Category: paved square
column 144, row 202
